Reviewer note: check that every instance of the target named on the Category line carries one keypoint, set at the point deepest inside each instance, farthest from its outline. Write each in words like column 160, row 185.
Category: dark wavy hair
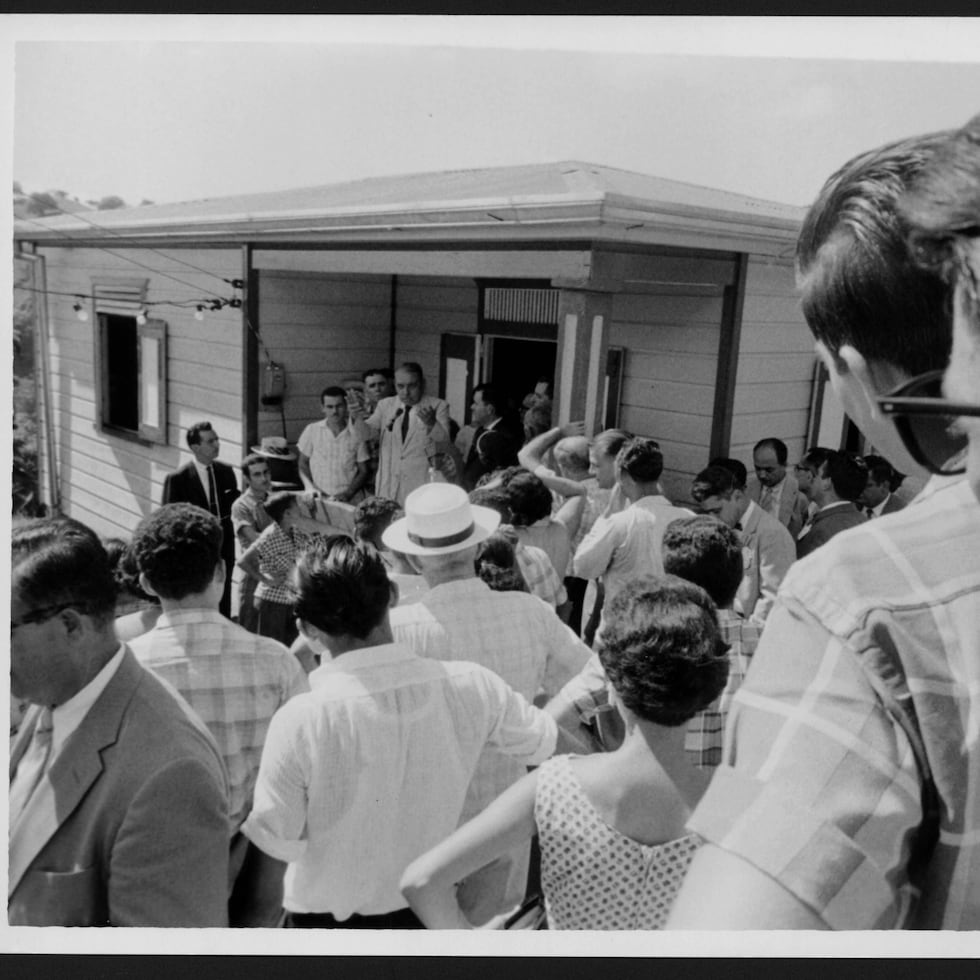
column 372, row 518
column 529, row 498
column 341, row 586
column 59, row 561
column 707, row 552
column 861, row 282
column 496, row 563
column 177, row 548
column 662, row 649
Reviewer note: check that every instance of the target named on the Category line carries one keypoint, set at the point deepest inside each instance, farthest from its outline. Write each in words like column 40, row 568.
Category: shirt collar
column 387, row 653
column 188, row 614
column 68, row 716
column 202, row 471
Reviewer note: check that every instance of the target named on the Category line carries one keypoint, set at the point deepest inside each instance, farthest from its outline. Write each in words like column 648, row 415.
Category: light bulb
column 199, row 312
column 80, row 312
column 141, row 316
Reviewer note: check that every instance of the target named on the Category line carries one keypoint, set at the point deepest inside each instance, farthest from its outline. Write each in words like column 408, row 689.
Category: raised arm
column 429, row 882
column 531, row 457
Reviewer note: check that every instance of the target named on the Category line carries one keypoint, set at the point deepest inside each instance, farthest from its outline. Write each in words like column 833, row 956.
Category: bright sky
column 146, row 107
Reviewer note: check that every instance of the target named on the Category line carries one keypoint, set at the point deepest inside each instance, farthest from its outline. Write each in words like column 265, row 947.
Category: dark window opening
column 121, row 349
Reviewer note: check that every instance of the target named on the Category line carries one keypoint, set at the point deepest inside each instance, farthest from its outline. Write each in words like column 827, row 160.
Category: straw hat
column 274, row 447
column 439, row 519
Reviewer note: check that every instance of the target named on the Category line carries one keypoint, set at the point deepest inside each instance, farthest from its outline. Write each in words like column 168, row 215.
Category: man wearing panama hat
column 515, row 634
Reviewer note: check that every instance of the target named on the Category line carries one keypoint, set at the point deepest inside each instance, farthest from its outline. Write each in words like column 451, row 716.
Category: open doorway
column 514, row 365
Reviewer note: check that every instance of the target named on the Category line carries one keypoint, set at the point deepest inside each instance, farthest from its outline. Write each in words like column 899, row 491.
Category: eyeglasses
column 40, row 615
column 928, row 423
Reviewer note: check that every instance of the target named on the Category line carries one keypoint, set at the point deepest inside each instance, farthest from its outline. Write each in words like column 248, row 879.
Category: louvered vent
column 521, row 305
column 124, row 297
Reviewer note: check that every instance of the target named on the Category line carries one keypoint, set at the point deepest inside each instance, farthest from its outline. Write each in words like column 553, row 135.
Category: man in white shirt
column 370, row 769
column 626, row 545
column 333, row 455
column 516, row 635
column 118, row 796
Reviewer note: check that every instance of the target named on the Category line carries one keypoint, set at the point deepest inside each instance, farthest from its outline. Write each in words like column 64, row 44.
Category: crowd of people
column 480, row 671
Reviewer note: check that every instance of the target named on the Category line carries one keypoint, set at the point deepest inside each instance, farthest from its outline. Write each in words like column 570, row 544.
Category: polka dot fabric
column 592, row 876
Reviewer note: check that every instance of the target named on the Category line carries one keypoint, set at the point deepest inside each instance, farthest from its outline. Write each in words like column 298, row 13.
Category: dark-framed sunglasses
column 929, row 424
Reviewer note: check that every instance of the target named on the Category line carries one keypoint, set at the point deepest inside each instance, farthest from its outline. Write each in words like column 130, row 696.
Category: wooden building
column 662, row 307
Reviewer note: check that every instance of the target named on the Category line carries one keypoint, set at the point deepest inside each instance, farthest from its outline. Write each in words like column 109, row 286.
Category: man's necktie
column 405, row 423
column 765, row 499
column 32, row 763
column 212, row 493
column 869, row 512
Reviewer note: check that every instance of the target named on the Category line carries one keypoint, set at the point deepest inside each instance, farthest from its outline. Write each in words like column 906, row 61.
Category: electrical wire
column 115, row 234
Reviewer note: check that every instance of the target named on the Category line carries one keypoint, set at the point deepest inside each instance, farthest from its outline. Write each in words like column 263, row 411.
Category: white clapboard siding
column 774, row 377
column 323, row 329
column 670, row 368
column 111, row 482
column 428, row 307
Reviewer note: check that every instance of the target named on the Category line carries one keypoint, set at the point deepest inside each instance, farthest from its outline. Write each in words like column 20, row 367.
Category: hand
column 427, row 415
column 576, row 428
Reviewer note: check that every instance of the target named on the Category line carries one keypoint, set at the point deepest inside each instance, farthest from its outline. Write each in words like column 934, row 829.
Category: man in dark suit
column 209, row 484
column 494, row 445
column 836, row 481
column 118, row 796
column 879, row 497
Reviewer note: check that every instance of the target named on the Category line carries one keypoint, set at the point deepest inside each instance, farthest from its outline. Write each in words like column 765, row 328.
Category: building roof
column 568, row 200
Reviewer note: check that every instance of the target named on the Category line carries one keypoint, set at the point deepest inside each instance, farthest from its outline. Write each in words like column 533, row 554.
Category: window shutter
column 521, row 305
column 152, row 345
column 124, row 297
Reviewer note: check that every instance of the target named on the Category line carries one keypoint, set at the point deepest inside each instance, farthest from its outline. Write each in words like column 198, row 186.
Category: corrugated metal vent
column 124, row 297
column 521, row 305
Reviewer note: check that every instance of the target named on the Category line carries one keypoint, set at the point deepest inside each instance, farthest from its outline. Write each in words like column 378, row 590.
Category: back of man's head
column 496, row 499
column 178, row 548
column 707, row 552
column 713, row 481
column 58, row 561
column 372, row 518
column 641, row 459
column 341, row 587
column 572, row 454
column 734, row 466
column 848, row 475
column 860, row 282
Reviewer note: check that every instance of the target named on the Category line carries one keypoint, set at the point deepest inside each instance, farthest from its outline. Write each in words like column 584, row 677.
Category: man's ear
column 851, row 377
column 145, row 585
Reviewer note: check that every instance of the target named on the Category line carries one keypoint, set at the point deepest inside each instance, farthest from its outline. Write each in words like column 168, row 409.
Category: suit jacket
column 403, row 464
column 129, row 826
column 491, row 449
column 767, row 552
column 827, row 523
column 792, row 504
column 892, row 505
column 184, row 487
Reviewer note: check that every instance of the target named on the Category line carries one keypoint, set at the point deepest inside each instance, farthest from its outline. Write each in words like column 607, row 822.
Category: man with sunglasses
column 849, row 797
column 118, row 796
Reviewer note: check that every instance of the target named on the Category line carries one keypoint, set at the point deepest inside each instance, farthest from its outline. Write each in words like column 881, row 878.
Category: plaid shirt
column 278, row 552
column 706, row 730
column 234, row 680
column 540, row 575
column 333, row 458
column 819, row 787
column 588, row 692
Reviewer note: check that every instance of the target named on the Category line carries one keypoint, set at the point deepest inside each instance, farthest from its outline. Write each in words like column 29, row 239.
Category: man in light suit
column 775, row 490
column 413, row 428
column 118, row 797
column 767, row 548
column 209, row 484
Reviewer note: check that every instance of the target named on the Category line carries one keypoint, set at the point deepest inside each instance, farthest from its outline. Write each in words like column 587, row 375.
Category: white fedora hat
column 274, row 447
column 439, row 519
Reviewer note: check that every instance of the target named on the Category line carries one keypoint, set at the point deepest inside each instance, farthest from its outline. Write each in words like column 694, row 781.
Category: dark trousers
column 402, row 919
column 575, row 588
column 276, row 619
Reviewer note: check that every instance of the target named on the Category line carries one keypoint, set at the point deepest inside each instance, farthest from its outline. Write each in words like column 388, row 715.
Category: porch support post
column 583, row 340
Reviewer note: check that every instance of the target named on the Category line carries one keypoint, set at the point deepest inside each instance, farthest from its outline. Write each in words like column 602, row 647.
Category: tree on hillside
column 110, row 202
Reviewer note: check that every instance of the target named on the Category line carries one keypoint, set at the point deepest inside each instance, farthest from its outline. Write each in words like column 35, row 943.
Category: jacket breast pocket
column 748, row 558
column 59, row 898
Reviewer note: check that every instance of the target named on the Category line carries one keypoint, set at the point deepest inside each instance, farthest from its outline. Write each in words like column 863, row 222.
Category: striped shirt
column 819, row 787
column 333, row 458
column 278, row 552
column 234, row 680
column 540, row 575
